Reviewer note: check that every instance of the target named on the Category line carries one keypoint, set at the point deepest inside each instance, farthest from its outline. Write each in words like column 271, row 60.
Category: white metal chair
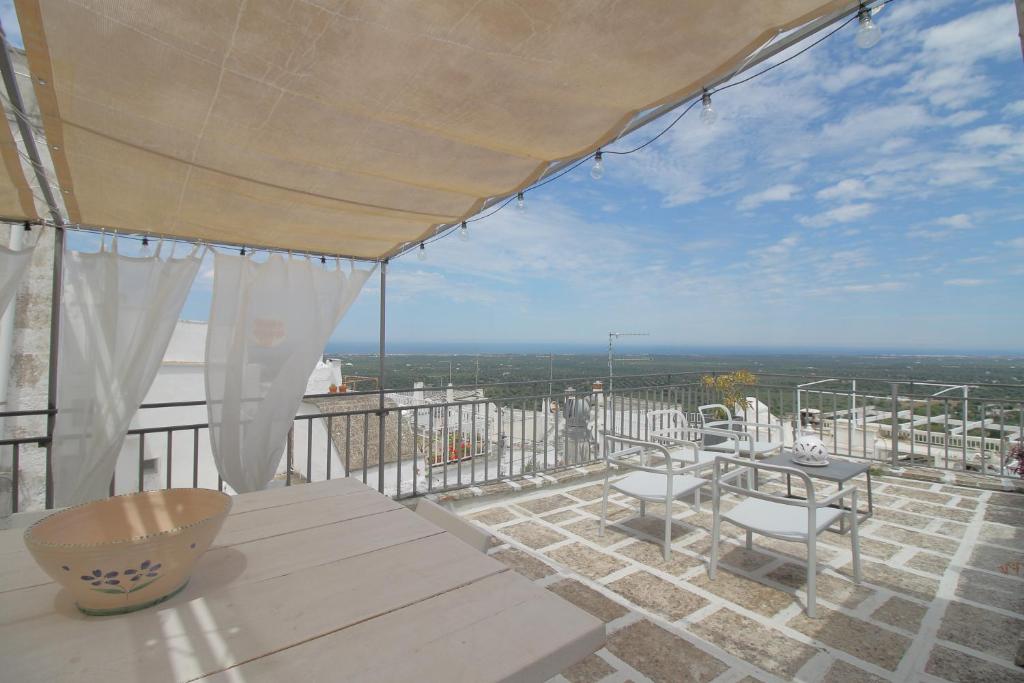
column 664, row 482
column 756, row 446
column 787, row 519
column 671, row 428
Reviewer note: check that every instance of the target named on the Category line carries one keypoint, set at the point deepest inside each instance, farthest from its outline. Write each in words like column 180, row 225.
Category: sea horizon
column 458, row 348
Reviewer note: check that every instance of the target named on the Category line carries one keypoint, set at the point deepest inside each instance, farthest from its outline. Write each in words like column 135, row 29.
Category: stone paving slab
column 854, row 636
column 900, row 613
column 954, row 665
column 942, row 597
column 588, row 599
column 770, row 649
column 591, row 563
column 663, row 656
column 657, row 595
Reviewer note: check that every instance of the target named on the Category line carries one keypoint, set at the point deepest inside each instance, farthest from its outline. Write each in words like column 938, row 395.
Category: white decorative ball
column 810, row 447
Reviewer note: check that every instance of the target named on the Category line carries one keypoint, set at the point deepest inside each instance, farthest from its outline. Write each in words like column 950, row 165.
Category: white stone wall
column 29, row 378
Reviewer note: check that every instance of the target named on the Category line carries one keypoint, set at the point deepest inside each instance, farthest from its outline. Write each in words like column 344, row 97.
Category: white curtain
column 269, row 323
column 13, row 264
column 117, row 317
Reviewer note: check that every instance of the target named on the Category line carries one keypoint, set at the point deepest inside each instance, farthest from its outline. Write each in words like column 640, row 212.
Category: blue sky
column 854, row 199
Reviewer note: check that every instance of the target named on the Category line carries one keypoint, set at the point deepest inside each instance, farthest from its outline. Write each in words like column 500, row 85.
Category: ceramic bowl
column 128, row 552
column 811, row 449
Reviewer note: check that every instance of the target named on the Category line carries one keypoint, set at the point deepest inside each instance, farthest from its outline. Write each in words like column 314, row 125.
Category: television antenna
column 612, row 336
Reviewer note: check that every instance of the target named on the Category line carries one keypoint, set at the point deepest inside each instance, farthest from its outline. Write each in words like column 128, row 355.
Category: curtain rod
column 139, row 235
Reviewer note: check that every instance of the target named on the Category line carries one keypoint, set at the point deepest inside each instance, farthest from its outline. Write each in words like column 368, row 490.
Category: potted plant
column 731, row 387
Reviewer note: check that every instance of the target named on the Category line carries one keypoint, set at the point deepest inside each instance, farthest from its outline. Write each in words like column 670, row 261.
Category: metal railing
column 442, row 445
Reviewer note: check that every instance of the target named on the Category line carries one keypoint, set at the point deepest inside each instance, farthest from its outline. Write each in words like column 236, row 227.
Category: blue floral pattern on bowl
column 126, row 581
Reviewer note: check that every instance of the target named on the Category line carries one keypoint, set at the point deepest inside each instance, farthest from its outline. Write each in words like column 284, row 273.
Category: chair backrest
column 632, row 453
column 726, row 482
column 717, row 435
column 710, row 416
column 670, row 423
column 713, row 408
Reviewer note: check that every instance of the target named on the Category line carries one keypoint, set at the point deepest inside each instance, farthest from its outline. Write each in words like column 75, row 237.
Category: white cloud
column 942, row 228
column 1016, row 243
column 998, row 135
column 845, row 190
column 965, row 282
column 858, row 74
column 1014, row 108
column 895, row 144
column 846, row 213
column 702, row 245
column 422, row 284
column 890, row 286
column 979, row 35
column 960, row 221
column 776, row 193
column 875, row 123
column 948, row 74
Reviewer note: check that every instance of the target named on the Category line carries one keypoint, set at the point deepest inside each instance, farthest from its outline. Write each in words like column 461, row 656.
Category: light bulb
column 422, row 254
column 597, row 170
column 520, row 202
column 868, row 34
column 464, row 232
column 708, row 115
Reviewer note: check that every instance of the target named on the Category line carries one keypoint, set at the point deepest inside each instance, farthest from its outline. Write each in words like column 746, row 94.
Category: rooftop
column 942, row 596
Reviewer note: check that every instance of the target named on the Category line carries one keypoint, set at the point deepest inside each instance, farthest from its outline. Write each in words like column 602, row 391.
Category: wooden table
column 838, row 471
column 319, row 582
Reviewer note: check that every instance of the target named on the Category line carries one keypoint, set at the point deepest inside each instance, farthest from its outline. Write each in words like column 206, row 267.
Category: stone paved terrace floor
column 942, row 596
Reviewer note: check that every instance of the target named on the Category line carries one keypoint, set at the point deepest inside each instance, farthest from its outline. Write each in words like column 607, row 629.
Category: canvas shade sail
column 16, row 202
column 354, row 128
column 269, row 324
column 117, row 316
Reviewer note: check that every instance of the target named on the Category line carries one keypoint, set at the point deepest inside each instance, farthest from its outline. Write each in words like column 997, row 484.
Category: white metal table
column 318, row 582
column 838, row 471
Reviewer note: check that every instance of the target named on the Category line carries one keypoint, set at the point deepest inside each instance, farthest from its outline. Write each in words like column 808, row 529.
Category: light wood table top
column 318, row 582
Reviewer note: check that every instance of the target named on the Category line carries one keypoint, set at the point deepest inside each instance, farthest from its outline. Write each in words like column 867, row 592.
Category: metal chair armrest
column 846, row 492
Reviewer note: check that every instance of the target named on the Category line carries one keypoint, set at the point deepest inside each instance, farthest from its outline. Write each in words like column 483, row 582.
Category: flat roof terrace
column 942, row 595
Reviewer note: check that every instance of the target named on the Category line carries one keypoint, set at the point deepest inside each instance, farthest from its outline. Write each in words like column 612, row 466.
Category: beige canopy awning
column 355, row 128
column 15, row 194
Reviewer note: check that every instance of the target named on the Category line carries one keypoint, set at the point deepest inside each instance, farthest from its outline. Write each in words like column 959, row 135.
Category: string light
column 597, row 170
column 520, row 202
column 422, row 253
column 868, row 34
column 464, row 232
column 708, row 115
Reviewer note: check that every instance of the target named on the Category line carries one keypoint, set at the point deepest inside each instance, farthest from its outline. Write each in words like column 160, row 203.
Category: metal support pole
column 380, row 382
column 27, row 137
column 29, row 142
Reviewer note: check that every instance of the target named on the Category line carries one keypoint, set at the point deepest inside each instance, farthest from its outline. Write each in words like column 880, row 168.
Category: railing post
column 894, row 424
column 963, row 431
column 291, row 455
column 380, row 383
